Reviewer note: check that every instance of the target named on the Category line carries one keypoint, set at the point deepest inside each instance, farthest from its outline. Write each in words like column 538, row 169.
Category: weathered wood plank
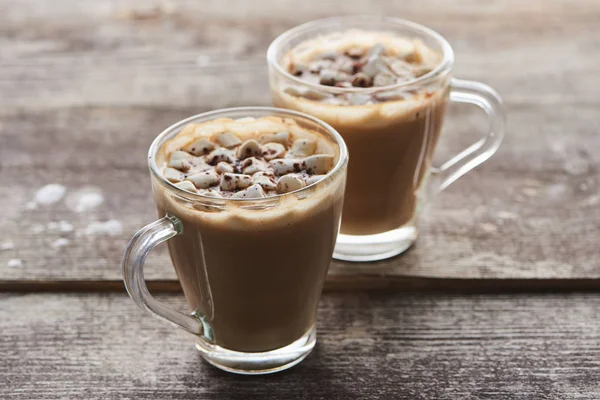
column 340, row 283
column 528, row 213
column 89, row 53
column 378, row 346
column 87, row 85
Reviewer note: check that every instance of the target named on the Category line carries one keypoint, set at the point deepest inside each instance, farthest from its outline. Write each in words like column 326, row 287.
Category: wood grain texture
column 376, row 346
column 86, row 86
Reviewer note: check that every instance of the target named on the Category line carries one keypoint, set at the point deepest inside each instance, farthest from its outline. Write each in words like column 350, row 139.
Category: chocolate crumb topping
column 374, row 66
column 265, row 164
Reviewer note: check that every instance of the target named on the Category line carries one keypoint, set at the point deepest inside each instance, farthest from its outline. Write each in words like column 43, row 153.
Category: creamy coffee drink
column 257, row 244
column 353, row 80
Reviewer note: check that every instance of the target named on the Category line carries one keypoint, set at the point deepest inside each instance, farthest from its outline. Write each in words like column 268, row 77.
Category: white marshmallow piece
column 264, row 179
column 374, row 66
column 231, row 181
column 273, row 150
column 376, row 50
column 401, row 68
column 204, row 180
column 384, row 79
column 289, row 183
column 286, row 165
column 302, row 148
column 318, row 164
column 181, row 160
column 200, row 147
column 210, row 193
column 391, row 95
column 278, row 137
column 313, row 179
column 198, row 165
column 253, row 192
column 358, row 99
column 223, row 167
column 173, row 175
column 422, row 70
column 227, row 139
column 250, row 148
column 253, row 165
column 186, row 185
column 219, row 155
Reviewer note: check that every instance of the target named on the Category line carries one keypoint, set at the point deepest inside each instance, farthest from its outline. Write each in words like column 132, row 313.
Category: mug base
column 361, row 248
column 259, row 363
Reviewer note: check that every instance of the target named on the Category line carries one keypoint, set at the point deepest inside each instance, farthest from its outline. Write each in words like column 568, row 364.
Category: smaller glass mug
column 393, row 140
column 252, row 270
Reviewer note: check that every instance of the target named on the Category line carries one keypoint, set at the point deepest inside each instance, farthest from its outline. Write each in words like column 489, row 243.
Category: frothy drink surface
column 391, row 133
column 254, row 270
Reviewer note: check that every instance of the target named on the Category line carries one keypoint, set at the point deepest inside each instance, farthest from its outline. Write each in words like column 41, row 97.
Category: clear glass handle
column 489, row 101
column 135, row 256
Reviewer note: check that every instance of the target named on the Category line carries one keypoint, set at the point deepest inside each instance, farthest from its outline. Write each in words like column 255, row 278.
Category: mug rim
column 159, row 141
column 442, row 69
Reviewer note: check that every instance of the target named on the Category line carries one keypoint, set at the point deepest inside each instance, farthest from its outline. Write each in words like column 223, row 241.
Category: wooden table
column 490, row 303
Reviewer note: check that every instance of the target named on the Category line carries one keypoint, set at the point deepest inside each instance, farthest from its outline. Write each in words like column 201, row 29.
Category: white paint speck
column 558, row 191
column 530, row 192
column 533, row 183
column 111, row 227
column 89, row 201
column 203, row 60
column 576, row 166
column 85, row 199
column 60, row 242
column 583, row 186
column 31, row 205
column 38, row 228
column 557, row 147
column 8, row 245
column 61, row 226
column 50, row 194
column 65, row 226
column 507, row 215
column 15, row 263
column 591, row 201
column 489, row 228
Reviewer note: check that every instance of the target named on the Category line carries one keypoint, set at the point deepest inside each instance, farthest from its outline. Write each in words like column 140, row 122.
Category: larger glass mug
column 393, row 140
column 252, row 270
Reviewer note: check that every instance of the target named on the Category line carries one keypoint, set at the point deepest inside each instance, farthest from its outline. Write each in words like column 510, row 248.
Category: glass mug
column 391, row 143
column 252, row 270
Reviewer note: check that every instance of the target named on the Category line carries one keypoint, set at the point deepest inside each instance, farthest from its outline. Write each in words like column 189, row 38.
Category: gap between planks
column 396, row 284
